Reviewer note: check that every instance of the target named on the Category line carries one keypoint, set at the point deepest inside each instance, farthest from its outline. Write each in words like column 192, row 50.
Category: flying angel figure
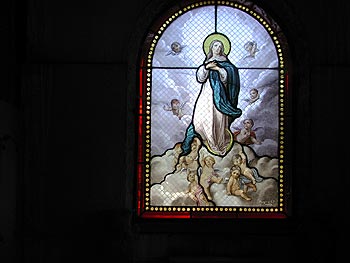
column 176, row 49
column 176, row 107
column 246, row 135
column 252, row 48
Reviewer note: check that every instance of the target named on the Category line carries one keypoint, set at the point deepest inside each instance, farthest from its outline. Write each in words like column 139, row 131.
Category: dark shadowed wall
column 67, row 138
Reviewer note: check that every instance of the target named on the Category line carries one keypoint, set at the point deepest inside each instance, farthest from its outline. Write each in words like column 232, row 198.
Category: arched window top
column 240, row 29
column 213, row 112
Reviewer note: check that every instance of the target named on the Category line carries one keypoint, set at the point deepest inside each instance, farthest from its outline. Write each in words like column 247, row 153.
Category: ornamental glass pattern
column 214, row 114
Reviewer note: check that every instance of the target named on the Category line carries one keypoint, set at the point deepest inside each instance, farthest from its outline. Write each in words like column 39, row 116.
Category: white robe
column 211, row 124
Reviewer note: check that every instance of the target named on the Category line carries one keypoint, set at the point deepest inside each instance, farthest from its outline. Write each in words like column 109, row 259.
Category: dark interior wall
column 67, row 102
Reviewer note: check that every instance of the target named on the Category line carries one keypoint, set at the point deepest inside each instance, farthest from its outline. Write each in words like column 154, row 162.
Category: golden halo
column 217, row 36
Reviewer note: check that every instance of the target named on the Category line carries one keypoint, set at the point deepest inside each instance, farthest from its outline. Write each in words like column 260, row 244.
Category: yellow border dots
column 282, row 119
column 215, row 209
column 258, row 17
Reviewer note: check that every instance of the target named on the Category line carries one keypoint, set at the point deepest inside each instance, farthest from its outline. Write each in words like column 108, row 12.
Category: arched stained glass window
column 214, row 115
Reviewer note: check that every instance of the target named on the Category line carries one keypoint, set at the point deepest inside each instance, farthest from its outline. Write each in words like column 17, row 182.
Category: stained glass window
column 214, row 115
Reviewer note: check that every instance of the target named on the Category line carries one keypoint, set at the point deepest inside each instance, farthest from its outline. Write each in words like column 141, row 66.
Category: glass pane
column 214, row 84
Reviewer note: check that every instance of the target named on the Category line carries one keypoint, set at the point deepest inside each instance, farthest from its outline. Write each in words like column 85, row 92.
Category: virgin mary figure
column 216, row 105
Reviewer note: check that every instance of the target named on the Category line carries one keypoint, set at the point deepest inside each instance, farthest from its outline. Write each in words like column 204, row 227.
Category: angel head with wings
column 176, row 107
